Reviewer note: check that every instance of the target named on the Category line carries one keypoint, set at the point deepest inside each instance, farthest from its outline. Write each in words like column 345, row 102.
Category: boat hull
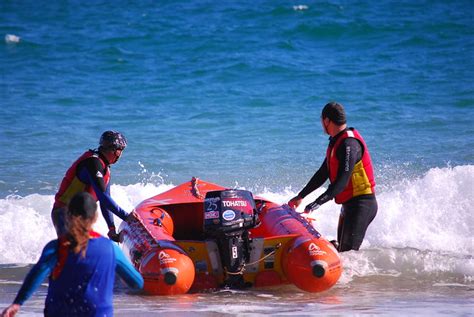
column 166, row 243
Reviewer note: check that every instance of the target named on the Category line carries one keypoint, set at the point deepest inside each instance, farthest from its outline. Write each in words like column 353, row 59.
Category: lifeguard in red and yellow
column 348, row 167
column 91, row 173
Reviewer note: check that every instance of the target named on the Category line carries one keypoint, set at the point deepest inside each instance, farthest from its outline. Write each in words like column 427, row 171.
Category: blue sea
column 231, row 92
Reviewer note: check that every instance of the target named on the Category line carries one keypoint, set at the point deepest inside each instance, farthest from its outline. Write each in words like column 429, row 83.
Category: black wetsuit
column 359, row 211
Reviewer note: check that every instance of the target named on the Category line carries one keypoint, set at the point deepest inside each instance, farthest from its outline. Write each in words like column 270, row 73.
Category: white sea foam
column 11, row 38
column 300, row 7
column 424, row 226
column 25, row 222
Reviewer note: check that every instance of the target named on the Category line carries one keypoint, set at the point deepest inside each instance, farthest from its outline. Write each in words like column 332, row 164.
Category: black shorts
column 356, row 215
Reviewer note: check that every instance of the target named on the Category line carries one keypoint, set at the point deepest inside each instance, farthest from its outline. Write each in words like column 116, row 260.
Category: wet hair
column 335, row 112
column 81, row 215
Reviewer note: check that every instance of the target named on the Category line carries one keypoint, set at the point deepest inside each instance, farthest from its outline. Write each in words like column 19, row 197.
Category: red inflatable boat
column 201, row 236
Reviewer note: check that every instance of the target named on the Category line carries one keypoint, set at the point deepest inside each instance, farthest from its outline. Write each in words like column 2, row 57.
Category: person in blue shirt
column 81, row 266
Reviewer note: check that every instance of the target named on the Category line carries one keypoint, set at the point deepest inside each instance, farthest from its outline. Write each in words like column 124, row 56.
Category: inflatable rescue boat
column 201, row 236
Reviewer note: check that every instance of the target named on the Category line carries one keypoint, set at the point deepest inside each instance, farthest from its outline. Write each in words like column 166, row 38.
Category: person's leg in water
column 355, row 218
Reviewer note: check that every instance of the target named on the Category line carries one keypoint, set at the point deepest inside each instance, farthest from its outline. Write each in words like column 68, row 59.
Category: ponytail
column 78, row 234
column 80, row 218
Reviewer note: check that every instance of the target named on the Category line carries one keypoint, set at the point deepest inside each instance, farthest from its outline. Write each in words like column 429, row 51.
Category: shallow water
column 394, row 294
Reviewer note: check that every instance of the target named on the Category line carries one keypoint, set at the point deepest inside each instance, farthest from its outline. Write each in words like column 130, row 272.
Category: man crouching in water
column 91, row 173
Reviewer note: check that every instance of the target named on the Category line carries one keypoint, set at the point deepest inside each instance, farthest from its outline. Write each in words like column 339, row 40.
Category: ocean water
column 231, row 92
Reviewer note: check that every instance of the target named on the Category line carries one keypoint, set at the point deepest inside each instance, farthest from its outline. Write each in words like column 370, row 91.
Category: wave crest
column 423, row 226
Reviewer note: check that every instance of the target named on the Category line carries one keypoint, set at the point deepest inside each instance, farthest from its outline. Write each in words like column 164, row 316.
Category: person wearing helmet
column 91, row 173
column 348, row 167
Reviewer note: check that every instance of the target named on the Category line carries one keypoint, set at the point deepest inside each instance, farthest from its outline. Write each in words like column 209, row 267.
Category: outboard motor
column 228, row 215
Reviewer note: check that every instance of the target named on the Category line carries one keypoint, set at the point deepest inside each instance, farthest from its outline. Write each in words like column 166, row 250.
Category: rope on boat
column 242, row 270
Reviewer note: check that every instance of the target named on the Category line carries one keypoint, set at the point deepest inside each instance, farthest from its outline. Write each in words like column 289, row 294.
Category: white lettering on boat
column 234, row 203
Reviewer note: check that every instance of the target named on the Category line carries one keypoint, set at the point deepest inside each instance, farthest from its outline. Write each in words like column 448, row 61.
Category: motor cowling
column 229, row 211
column 228, row 215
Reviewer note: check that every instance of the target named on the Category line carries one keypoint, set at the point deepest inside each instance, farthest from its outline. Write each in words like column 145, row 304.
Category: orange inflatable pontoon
column 201, row 236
